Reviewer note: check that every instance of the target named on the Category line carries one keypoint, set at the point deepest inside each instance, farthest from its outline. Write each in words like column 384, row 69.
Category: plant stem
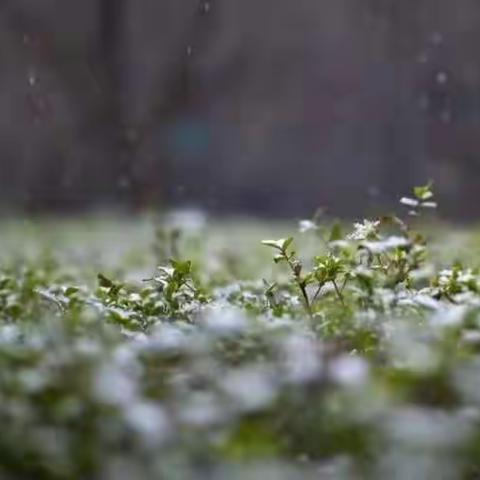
column 299, row 282
column 317, row 293
column 339, row 293
column 306, row 299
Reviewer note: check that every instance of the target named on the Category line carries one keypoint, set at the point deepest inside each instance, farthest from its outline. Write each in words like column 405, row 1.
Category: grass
column 182, row 349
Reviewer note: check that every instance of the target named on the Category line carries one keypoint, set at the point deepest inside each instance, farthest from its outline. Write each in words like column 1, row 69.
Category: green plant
column 359, row 358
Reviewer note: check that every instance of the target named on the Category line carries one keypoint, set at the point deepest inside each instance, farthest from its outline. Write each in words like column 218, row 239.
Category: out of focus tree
column 259, row 105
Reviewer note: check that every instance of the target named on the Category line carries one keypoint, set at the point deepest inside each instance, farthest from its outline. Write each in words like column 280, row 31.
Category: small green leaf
column 71, row 291
column 281, row 244
column 104, row 282
column 183, row 268
column 287, row 242
column 424, row 192
column 336, row 233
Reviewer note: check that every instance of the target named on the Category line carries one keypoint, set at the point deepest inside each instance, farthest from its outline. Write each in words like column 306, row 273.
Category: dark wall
column 267, row 106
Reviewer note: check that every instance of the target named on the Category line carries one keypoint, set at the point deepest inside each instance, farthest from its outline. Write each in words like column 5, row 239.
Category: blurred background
column 266, row 107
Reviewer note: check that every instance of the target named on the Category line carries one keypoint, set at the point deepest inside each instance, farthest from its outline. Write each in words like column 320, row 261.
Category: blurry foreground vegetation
column 182, row 351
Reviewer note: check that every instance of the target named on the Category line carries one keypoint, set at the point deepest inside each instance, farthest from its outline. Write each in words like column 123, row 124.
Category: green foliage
column 423, row 199
column 356, row 354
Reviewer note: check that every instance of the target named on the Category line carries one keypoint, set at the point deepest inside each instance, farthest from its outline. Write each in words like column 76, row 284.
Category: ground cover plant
column 206, row 353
